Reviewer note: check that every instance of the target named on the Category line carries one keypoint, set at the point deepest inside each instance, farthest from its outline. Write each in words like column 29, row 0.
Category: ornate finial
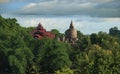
column 39, row 23
column 40, row 26
column 71, row 24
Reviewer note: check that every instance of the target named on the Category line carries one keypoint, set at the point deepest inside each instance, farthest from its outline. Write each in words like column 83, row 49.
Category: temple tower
column 71, row 34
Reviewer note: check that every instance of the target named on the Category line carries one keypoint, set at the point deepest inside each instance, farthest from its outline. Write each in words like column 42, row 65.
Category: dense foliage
column 20, row 53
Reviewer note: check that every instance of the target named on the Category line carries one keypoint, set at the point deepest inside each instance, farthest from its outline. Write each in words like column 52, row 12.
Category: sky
column 89, row 16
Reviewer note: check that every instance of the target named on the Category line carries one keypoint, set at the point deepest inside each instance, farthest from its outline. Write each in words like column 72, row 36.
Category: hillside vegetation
column 20, row 53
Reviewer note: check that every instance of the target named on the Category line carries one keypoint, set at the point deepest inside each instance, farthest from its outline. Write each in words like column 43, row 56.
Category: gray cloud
column 100, row 8
column 104, row 8
column 113, row 4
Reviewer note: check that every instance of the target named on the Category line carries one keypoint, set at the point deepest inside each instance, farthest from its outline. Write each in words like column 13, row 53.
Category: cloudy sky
column 88, row 15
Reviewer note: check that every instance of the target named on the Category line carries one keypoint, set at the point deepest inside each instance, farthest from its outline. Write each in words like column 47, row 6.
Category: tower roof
column 40, row 27
column 40, row 24
column 71, row 24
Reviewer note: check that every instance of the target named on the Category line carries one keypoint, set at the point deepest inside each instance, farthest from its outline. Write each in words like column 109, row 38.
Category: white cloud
column 85, row 24
column 87, row 5
column 29, row 6
column 49, row 23
column 56, row 7
column 111, row 19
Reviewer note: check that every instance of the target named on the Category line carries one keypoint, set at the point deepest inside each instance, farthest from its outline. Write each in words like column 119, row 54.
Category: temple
column 40, row 32
column 70, row 35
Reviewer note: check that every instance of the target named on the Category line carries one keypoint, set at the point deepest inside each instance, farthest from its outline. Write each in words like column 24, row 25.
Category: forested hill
column 20, row 53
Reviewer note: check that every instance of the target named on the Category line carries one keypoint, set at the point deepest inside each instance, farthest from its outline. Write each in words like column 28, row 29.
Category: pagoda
column 40, row 32
column 70, row 35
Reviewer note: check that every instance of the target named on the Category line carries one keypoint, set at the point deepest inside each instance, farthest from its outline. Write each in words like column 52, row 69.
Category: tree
column 56, row 32
column 94, row 38
column 20, row 53
column 51, row 56
column 65, row 71
column 80, row 35
column 114, row 31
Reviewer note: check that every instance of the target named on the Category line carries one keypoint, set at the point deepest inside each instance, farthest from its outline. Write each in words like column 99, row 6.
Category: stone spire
column 71, row 24
column 71, row 34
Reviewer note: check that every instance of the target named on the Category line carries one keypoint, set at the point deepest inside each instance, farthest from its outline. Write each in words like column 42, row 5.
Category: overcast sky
column 88, row 15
